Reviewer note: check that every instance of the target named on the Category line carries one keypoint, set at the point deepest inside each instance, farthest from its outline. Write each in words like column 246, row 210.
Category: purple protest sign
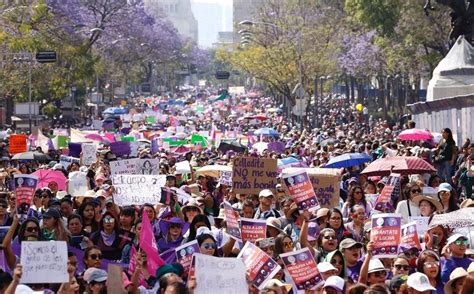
column 302, row 269
column 232, row 221
column 278, row 147
column 386, row 234
column 120, row 148
column 75, row 149
column 25, row 186
column 184, row 254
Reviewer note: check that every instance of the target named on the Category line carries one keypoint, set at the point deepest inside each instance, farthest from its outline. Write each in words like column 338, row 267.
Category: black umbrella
column 31, row 155
column 233, row 145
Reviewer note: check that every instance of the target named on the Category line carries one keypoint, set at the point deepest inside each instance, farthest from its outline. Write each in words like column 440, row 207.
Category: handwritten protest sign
column 252, row 229
column 326, row 189
column 25, row 186
column 120, row 148
column 409, row 237
column 77, row 183
column 17, row 143
column 232, row 221
column 135, row 166
column 250, row 175
column 225, row 178
column 421, row 223
column 44, row 262
column 228, row 275
column 66, row 161
column 184, row 254
column 137, row 189
column 301, row 190
column 302, row 269
column 260, row 266
column 386, row 234
column 391, row 191
column 89, row 153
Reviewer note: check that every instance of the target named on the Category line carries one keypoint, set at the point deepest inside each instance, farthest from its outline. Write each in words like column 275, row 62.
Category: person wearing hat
column 53, row 227
column 326, row 269
column 398, row 284
column 334, row 285
column 428, row 205
column 277, row 286
column 172, row 232
column 455, row 255
column 351, row 251
column 418, row 283
column 265, row 209
column 190, row 210
column 447, row 198
column 456, row 280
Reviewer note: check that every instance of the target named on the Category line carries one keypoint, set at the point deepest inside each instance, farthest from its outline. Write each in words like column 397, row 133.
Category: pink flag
column 148, row 245
column 110, row 137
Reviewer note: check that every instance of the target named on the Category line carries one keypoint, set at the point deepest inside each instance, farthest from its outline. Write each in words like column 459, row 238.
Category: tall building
column 212, row 17
column 244, row 10
column 179, row 12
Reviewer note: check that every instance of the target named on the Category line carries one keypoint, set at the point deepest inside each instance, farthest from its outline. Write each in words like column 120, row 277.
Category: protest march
column 183, row 195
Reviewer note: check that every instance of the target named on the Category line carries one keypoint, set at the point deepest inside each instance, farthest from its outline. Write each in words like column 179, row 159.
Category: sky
column 210, row 23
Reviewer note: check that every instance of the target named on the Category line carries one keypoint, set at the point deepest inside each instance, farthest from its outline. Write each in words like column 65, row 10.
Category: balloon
column 359, row 107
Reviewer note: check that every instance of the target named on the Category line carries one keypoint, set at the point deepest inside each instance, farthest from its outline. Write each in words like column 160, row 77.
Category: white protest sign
column 226, row 178
column 229, row 275
column 77, row 183
column 137, row 189
column 44, row 262
column 145, row 166
column 89, row 153
column 183, row 167
column 422, row 223
column 66, row 161
column 123, row 167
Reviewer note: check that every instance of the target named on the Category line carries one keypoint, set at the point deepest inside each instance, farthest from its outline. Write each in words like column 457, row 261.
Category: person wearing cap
column 418, row 283
column 351, row 250
column 334, row 285
column 277, row 286
column 456, row 280
column 326, row 269
column 265, row 209
column 398, row 284
column 95, row 279
column 455, row 251
column 446, row 197
column 53, row 226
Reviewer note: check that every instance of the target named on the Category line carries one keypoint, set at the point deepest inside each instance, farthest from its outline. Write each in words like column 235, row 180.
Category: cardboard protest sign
column 421, row 223
column 225, row 178
column 232, row 221
column 89, row 153
column 301, row 190
column 391, row 191
column 252, row 229
column 77, row 183
column 260, row 266
column 137, row 189
column 302, row 268
column 386, row 234
column 250, row 175
column 327, row 189
column 184, row 254
column 115, row 279
column 409, row 237
column 17, row 143
column 120, row 148
column 44, row 262
column 66, row 161
column 228, row 275
column 25, row 186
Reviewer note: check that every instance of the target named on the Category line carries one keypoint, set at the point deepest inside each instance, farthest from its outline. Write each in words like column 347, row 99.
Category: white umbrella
column 213, row 170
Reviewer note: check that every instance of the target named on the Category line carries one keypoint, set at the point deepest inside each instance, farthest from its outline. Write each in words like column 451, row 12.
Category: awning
column 16, row 118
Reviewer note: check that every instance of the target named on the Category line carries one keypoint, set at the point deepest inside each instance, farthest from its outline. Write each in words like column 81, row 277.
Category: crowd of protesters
column 338, row 237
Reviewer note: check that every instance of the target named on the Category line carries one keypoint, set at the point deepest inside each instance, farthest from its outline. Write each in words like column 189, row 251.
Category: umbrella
column 326, row 142
column 398, row 164
column 213, row 170
column 266, row 132
column 180, row 150
column 31, row 155
column 46, row 176
column 415, row 134
column 233, row 145
column 348, row 159
column 95, row 137
column 115, row 110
